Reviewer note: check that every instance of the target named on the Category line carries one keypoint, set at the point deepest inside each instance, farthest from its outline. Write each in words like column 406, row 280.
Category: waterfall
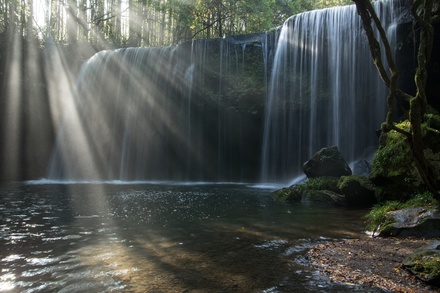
column 243, row 108
column 324, row 89
column 171, row 113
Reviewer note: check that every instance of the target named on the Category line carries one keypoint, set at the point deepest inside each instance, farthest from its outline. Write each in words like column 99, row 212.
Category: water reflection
column 161, row 238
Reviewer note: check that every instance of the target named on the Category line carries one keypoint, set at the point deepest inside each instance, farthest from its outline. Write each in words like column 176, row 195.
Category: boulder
column 324, row 196
column 288, row 194
column 327, row 162
column 417, row 222
column 358, row 190
column 425, row 263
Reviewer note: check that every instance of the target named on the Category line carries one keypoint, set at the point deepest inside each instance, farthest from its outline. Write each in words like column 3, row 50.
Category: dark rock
column 362, row 168
column 290, row 194
column 327, row 162
column 417, row 222
column 425, row 263
column 323, row 196
column 358, row 190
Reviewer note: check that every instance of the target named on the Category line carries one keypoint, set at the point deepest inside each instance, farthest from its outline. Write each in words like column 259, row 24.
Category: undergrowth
column 378, row 214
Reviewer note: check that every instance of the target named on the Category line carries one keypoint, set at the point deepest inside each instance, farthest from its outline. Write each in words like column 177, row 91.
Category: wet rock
column 425, row 263
column 417, row 222
column 358, row 190
column 288, row 194
column 324, row 196
column 327, row 162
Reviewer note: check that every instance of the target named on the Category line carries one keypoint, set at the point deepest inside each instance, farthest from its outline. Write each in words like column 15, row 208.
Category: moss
column 377, row 217
column 392, row 157
column 364, row 181
column 425, row 263
column 393, row 170
column 321, row 183
column 287, row 194
column 358, row 190
column 428, row 266
column 294, row 193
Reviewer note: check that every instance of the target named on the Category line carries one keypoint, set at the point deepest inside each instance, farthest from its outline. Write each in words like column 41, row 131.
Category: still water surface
column 153, row 237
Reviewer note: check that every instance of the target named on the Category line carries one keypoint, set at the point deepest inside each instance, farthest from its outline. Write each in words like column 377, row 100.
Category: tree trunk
column 419, row 102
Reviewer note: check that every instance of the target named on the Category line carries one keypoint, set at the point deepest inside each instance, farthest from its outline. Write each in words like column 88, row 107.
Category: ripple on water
column 13, row 257
column 42, row 261
column 272, row 244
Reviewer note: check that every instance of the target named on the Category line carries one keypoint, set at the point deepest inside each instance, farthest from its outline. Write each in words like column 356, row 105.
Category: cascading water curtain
column 324, row 89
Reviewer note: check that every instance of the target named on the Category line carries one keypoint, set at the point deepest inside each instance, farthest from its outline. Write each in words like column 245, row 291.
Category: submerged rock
column 417, row 222
column 425, row 263
column 327, row 162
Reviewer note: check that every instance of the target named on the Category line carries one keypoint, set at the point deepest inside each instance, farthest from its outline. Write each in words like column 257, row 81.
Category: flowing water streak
column 324, row 89
column 166, row 113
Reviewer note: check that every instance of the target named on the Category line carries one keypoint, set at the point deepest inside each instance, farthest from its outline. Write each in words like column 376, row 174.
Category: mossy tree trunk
column 422, row 12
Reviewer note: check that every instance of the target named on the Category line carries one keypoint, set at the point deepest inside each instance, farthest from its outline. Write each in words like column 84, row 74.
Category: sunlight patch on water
column 43, row 261
column 13, row 257
column 7, row 282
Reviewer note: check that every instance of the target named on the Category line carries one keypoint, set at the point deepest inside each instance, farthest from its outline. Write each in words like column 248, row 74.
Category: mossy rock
column 358, row 190
column 394, row 173
column 411, row 222
column 318, row 190
column 325, row 197
column 321, row 183
column 418, row 216
column 288, row 194
column 425, row 263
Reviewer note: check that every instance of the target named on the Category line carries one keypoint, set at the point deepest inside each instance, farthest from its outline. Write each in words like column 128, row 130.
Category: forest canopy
column 123, row 23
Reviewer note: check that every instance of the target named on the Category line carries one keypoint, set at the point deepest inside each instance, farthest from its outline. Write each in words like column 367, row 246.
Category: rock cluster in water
column 330, row 181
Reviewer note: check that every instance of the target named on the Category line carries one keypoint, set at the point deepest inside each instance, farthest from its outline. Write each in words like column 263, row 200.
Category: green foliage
column 394, row 171
column 150, row 22
column 288, row 194
column 321, row 183
column 428, row 266
column 294, row 193
column 392, row 156
column 364, row 181
column 378, row 214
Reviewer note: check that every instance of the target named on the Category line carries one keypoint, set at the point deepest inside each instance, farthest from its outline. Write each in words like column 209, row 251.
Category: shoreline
column 370, row 262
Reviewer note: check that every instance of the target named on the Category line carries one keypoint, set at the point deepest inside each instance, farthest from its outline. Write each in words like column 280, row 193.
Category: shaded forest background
column 122, row 23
